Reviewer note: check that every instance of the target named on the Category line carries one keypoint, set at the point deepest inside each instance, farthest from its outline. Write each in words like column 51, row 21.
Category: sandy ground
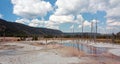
column 33, row 52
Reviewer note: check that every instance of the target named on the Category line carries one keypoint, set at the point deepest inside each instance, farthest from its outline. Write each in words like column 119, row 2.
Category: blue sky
column 63, row 14
column 6, row 9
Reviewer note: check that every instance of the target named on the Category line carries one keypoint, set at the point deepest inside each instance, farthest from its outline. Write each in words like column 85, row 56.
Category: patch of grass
column 117, row 41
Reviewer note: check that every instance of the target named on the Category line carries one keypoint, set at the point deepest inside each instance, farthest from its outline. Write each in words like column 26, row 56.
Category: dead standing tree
column 82, row 35
column 96, row 31
column 91, row 30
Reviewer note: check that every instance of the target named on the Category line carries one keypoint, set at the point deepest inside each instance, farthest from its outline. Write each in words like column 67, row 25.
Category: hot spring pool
column 87, row 48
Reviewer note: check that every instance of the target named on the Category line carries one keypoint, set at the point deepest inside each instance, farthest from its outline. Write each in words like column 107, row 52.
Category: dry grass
column 8, row 47
column 62, row 50
column 37, row 44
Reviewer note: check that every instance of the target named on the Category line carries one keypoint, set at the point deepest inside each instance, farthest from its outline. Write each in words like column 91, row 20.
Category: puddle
column 11, row 52
column 86, row 48
column 98, row 51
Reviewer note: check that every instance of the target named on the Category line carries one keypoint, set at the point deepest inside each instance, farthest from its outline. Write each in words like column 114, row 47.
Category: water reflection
column 87, row 48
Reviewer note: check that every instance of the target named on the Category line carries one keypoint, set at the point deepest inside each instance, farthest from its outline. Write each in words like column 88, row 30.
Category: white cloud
column 52, row 24
column 113, row 16
column 68, row 11
column 112, row 29
column 31, row 8
column 111, row 7
column 22, row 21
column 33, row 22
column 115, row 13
column 79, row 19
column 71, row 6
column 1, row 16
column 62, row 18
column 80, row 6
column 72, row 27
column 56, row 20
column 86, row 23
column 37, row 23
column 98, row 5
column 113, row 23
column 80, row 26
column 94, row 21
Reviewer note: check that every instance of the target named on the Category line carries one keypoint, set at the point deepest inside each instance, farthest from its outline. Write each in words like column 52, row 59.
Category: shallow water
column 98, row 51
column 87, row 48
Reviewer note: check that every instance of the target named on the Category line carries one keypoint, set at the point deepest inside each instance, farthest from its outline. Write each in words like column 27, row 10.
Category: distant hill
column 118, row 33
column 82, row 34
column 17, row 29
column 87, row 35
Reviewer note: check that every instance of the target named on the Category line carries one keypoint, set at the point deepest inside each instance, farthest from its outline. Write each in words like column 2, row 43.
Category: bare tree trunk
column 82, row 29
column 4, row 36
column 61, row 39
column 96, row 32
column 91, row 30
column 82, row 35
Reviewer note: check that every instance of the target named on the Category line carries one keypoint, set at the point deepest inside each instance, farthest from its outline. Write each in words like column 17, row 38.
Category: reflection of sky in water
column 11, row 52
column 87, row 49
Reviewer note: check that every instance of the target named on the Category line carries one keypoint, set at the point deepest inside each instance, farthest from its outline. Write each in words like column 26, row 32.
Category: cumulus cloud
column 57, row 20
column 80, row 26
column 31, row 8
column 94, row 21
column 37, row 23
column 62, row 18
column 113, row 22
column 80, row 18
column 86, row 23
column 33, row 22
column 52, row 25
column 72, row 27
column 67, row 11
column 113, row 15
column 111, row 7
column 80, row 6
column 71, row 6
column 23, row 21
